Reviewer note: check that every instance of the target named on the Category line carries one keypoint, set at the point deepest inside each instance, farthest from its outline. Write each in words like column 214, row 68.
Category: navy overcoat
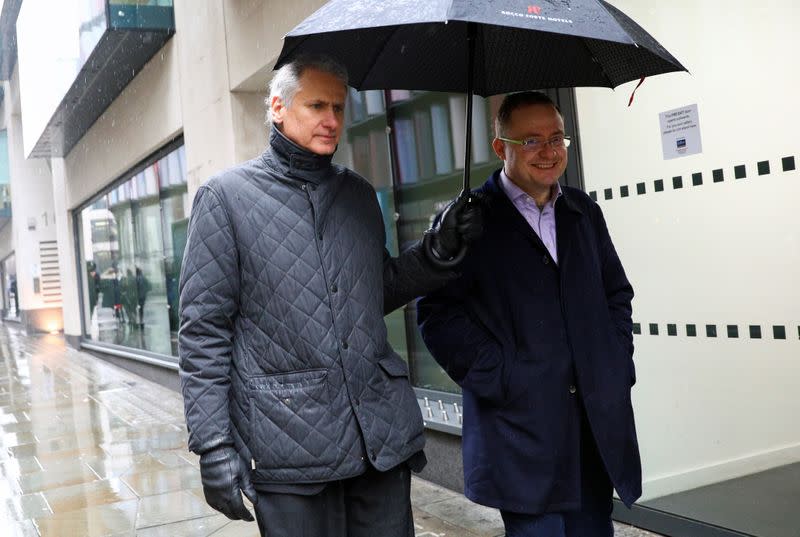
column 530, row 342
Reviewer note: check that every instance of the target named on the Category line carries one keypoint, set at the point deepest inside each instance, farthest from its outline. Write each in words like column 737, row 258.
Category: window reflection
column 10, row 293
column 132, row 239
column 425, row 154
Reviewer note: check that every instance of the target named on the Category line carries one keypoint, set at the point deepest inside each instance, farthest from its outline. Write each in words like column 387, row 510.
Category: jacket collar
column 567, row 215
column 495, row 189
column 296, row 161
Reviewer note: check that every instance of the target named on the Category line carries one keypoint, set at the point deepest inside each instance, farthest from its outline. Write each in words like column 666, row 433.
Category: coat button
column 573, row 389
column 334, row 288
column 372, row 454
column 344, row 344
column 319, row 236
column 545, row 259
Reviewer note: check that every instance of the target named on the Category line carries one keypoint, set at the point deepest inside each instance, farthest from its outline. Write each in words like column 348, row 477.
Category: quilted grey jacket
column 283, row 348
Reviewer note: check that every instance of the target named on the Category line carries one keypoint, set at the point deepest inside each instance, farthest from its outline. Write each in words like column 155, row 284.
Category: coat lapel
column 567, row 217
column 507, row 214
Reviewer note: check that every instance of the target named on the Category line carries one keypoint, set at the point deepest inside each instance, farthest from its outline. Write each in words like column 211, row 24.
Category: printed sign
column 680, row 132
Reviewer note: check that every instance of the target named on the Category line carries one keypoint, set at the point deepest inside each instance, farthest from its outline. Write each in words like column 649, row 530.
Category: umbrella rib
column 585, row 42
column 378, row 52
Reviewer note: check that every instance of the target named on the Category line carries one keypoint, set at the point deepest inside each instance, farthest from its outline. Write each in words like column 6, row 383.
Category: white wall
column 66, row 251
column 720, row 253
column 31, row 205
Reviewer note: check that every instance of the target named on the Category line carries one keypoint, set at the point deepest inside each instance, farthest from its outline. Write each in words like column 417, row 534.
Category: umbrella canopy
column 482, row 47
column 426, row 44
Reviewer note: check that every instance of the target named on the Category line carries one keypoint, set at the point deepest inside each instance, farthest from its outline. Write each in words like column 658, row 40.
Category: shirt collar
column 514, row 192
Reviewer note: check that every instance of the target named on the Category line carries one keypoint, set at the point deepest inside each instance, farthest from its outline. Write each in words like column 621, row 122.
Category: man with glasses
column 537, row 331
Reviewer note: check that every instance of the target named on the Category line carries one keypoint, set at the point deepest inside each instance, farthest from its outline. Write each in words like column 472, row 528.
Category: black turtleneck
column 296, row 161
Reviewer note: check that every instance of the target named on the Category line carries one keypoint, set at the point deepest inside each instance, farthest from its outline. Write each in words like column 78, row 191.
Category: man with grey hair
column 292, row 392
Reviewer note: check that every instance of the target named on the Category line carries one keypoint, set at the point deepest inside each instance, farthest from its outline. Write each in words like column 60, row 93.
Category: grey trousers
column 372, row 504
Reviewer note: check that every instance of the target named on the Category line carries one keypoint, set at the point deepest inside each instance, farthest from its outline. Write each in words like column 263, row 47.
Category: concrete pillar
column 34, row 228
column 65, row 233
column 208, row 127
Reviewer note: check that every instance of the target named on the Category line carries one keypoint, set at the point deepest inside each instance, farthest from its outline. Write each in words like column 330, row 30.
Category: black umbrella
column 482, row 47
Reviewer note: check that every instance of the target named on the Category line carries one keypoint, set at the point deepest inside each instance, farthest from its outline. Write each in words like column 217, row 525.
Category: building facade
column 115, row 111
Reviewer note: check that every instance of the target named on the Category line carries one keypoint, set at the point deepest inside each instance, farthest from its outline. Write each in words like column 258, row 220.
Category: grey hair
column 286, row 82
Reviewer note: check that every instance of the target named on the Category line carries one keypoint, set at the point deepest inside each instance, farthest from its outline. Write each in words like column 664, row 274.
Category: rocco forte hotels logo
column 534, row 12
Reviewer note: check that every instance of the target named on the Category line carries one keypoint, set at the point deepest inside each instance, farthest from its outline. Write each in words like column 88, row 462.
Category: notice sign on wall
column 680, row 132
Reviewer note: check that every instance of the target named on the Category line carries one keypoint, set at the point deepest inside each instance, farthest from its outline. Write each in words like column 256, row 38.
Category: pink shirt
column 542, row 221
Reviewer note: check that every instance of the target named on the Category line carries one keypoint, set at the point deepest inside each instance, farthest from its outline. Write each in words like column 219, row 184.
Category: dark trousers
column 372, row 504
column 594, row 517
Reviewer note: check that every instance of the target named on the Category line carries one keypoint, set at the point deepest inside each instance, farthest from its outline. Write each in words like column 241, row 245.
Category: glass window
column 10, row 296
column 132, row 239
column 416, row 170
column 430, row 131
column 365, row 150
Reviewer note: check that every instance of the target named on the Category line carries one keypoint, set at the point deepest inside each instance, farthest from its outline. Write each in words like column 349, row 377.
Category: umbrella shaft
column 468, row 138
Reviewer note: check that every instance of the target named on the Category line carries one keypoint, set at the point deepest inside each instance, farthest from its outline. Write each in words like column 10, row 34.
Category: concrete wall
column 723, row 253
column 145, row 116
column 205, row 98
column 66, row 252
column 255, row 30
column 33, row 219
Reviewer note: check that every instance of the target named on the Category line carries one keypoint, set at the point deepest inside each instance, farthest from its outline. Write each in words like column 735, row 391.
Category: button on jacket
column 283, row 346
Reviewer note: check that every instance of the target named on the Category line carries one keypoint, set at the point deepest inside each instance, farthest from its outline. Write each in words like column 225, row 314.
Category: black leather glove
column 459, row 224
column 225, row 477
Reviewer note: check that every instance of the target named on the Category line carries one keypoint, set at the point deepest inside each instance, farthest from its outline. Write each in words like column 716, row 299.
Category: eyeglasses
column 532, row 144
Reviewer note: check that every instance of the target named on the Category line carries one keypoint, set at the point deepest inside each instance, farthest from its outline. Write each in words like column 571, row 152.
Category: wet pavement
column 89, row 450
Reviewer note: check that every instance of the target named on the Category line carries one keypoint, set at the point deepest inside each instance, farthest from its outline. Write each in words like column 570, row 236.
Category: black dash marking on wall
column 788, row 163
column 733, row 331
column 653, row 329
column 718, row 175
column 779, row 332
column 740, row 172
column 763, row 167
column 798, row 332
column 691, row 330
column 609, row 193
column 677, row 182
column 711, row 330
column 659, row 185
column 640, row 188
column 697, row 179
column 623, row 191
column 755, row 331
column 637, row 328
column 593, row 195
column 672, row 330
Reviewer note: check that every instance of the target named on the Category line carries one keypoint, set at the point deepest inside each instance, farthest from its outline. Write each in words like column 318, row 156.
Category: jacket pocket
column 290, row 420
column 288, row 382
